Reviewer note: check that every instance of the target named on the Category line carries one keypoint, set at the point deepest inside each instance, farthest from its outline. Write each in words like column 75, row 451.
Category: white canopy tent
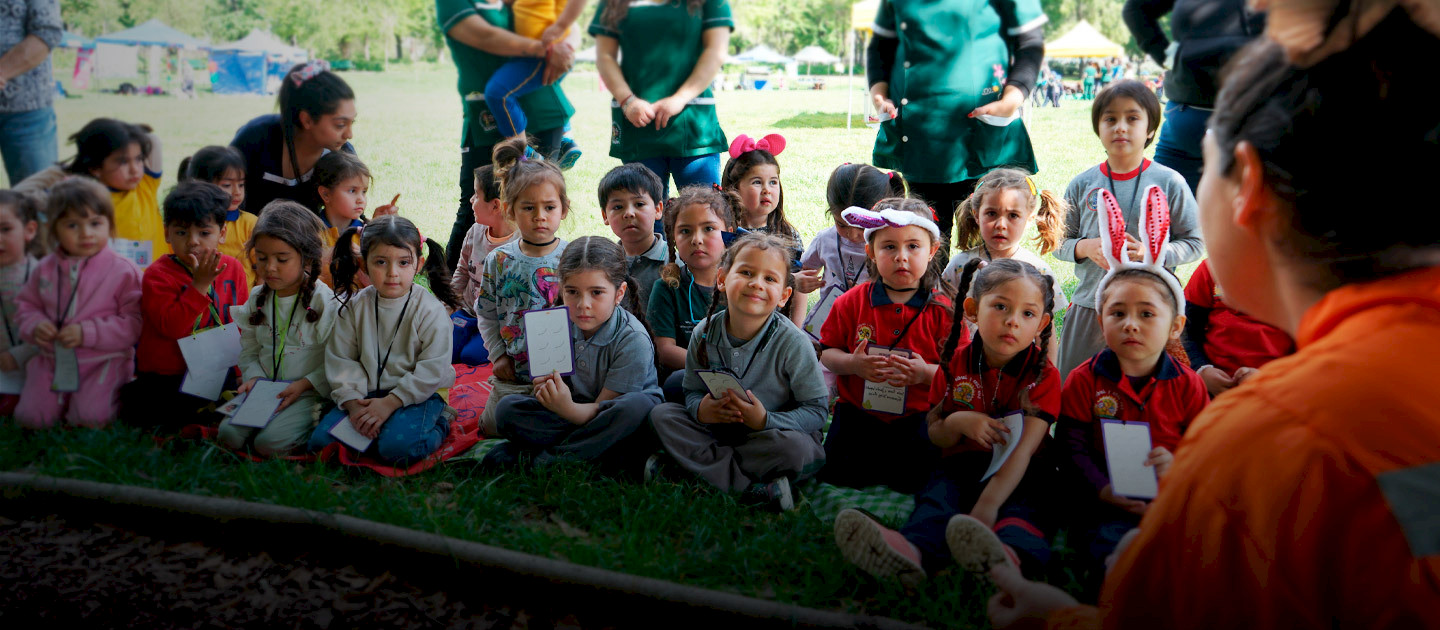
column 761, row 54
column 815, row 54
column 1082, row 41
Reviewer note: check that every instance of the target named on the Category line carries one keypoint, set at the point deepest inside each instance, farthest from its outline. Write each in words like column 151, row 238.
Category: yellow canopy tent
column 1082, row 40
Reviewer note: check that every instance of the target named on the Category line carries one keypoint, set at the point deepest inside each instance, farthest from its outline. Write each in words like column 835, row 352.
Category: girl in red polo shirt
column 970, row 510
column 1133, row 380
column 1225, row 346
column 881, row 341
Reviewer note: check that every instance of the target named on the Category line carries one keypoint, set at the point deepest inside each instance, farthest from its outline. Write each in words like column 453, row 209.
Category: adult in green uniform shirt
column 663, row 113
column 945, row 70
column 480, row 40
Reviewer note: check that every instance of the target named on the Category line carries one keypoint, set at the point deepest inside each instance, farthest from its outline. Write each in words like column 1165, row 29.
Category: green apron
column 545, row 108
column 660, row 43
column 951, row 58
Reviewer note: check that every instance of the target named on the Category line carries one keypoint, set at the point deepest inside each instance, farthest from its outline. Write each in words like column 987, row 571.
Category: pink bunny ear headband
column 872, row 220
column 774, row 143
column 1154, row 233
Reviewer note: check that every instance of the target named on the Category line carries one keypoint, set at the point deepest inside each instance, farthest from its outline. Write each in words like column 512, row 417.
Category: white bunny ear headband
column 872, row 220
column 1154, row 233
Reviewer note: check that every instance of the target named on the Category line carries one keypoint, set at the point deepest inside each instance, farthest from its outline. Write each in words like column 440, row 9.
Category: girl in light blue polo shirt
column 596, row 411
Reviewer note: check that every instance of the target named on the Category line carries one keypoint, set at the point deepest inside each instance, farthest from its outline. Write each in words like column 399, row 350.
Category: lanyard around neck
column 380, row 371
column 845, row 264
column 764, row 340
column 5, row 314
column 277, row 339
column 66, row 306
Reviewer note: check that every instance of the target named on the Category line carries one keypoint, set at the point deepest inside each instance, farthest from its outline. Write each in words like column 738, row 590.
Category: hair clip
column 774, row 143
column 309, row 71
column 717, row 188
column 1031, row 183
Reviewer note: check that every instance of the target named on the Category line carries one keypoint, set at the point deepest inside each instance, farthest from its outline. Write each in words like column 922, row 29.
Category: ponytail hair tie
column 717, row 187
column 309, row 71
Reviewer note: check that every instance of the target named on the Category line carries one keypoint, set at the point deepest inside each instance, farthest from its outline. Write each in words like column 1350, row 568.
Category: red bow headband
column 774, row 143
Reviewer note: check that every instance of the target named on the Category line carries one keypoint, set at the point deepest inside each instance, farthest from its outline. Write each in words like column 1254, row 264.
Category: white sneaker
column 876, row 549
column 974, row 545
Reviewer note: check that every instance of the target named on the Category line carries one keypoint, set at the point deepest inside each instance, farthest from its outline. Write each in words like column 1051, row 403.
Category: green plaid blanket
column 826, row 501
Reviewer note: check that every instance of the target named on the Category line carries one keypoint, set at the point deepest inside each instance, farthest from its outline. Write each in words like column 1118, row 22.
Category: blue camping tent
column 254, row 64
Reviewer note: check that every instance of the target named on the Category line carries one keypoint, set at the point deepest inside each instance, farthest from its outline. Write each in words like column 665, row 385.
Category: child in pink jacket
column 83, row 296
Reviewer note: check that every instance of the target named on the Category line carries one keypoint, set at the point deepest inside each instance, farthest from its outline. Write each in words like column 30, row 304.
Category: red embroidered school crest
column 964, row 389
column 864, row 333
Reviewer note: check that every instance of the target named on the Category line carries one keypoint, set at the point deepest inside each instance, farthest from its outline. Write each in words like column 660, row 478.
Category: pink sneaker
column 876, row 549
column 975, row 547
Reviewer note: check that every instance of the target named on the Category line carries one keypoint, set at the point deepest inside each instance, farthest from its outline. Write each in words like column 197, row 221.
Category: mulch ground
column 57, row 572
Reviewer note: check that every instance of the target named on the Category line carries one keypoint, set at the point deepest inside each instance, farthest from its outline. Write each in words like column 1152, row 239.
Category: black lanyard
column 277, row 342
column 1110, row 175
column 380, row 372
column 980, row 368
column 906, row 330
column 68, row 305
column 764, row 339
column 5, row 314
column 845, row 264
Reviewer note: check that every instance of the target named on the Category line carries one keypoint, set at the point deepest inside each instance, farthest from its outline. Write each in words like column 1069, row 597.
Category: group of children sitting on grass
column 690, row 345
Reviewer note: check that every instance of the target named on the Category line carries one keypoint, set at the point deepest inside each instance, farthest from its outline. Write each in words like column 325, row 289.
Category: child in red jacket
column 184, row 293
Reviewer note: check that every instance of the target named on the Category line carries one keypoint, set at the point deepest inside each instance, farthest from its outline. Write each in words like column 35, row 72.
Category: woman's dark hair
column 101, row 137
column 486, row 183
column 81, row 196
column 933, row 282
column 862, row 186
column 1048, row 209
column 598, row 253
column 1296, row 118
column 296, row 226
column 1135, row 91
column 736, row 168
column 395, row 231
column 979, row 278
column 210, row 164
column 614, row 11
column 519, row 169
column 26, row 209
column 756, row 240
column 316, row 96
column 721, row 203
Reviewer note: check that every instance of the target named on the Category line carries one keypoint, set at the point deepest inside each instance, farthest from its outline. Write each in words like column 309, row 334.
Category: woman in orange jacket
column 1305, row 497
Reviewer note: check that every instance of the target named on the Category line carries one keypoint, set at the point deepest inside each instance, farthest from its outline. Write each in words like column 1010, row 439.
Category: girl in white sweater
column 390, row 351
column 284, row 327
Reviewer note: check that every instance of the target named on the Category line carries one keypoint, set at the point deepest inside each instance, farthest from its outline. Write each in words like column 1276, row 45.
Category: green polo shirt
column 546, row 108
column 951, row 58
column 660, row 43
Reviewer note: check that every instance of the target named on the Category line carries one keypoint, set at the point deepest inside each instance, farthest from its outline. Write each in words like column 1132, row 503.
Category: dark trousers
column 1179, row 143
column 155, row 400
column 472, row 158
column 1024, row 522
column 674, row 387
column 862, row 450
column 614, row 433
column 944, row 198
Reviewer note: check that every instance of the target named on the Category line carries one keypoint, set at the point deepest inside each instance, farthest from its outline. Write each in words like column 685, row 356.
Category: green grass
column 408, row 135
column 679, row 531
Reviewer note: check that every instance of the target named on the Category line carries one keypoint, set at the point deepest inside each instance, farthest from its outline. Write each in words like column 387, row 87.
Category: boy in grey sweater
column 1125, row 116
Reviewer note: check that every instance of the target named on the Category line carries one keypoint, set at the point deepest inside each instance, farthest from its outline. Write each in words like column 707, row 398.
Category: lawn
column 408, row 135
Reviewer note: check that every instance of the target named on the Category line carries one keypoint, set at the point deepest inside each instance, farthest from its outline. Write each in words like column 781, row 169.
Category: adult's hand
column 639, row 112
column 880, row 96
column 558, row 60
column 1010, row 101
column 1021, row 603
column 666, row 109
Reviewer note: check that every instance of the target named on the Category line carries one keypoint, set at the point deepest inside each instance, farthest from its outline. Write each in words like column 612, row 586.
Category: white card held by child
column 884, row 397
column 230, row 407
column 138, row 252
column 721, row 381
column 816, row 319
column 209, row 355
column 260, row 404
column 1015, row 421
column 1127, row 446
column 547, row 342
column 67, row 370
column 346, row 433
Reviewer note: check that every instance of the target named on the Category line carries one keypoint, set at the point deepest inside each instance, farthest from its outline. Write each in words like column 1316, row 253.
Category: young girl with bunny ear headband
column 1133, row 379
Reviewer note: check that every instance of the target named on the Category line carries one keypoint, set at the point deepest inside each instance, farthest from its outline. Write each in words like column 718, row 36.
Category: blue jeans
column 1179, row 145
column 700, row 169
column 515, row 79
column 954, row 488
column 27, row 142
column 411, row 433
